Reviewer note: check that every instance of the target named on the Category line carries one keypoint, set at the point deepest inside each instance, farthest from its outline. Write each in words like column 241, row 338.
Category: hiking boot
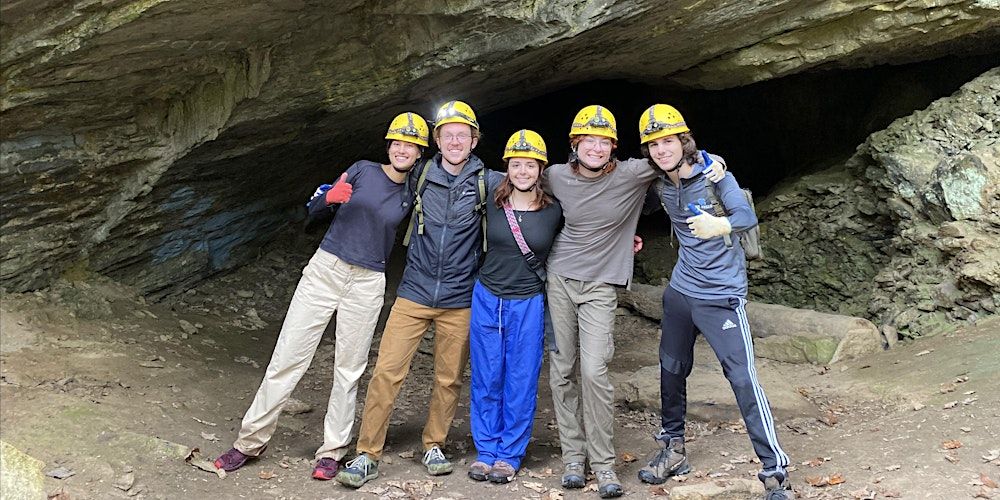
column 502, row 472
column 232, row 460
column 608, row 485
column 436, row 463
column 574, row 476
column 359, row 471
column 478, row 471
column 325, row 469
column 670, row 460
column 776, row 487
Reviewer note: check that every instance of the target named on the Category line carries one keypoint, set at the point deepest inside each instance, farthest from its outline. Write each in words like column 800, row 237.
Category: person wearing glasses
column 601, row 199
column 508, row 306
column 436, row 287
column 346, row 275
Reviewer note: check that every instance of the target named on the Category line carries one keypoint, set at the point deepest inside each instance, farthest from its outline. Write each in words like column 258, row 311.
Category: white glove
column 716, row 172
column 706, row 226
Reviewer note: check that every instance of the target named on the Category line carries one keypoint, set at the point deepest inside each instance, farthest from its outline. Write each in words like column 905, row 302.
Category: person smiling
column 346, row 275
column 601, row 199
column 441, row 266
column 508, row 305
column 707, row 294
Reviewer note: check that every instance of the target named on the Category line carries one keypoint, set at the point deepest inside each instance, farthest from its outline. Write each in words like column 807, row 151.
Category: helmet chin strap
column 677, row 166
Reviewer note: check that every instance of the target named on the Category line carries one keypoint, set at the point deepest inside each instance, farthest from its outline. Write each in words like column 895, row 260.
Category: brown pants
column 406, row 326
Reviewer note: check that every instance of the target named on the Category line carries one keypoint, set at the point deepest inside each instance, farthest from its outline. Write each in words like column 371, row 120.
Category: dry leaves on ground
column 536, row 487
column 628, row 457
column 266, row 474
column 951, row 444
column 195, row 459
column 659, row 491
column 987, row 481
column 821, row 481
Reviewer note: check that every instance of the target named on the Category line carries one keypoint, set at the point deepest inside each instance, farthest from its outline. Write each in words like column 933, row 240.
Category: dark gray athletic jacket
column 441, row 263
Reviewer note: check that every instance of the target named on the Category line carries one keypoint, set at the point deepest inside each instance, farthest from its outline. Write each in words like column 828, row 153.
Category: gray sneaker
column 436, row 463
column 670, row 460
column 608, row 485
column 776, row 487
column 357, row 472
column 574, row 476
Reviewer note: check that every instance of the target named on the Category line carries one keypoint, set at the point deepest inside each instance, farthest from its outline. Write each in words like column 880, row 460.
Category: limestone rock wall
column 162, row 141
column 906, row 233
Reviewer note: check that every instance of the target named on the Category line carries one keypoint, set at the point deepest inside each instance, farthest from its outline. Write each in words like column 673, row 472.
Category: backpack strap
column 717, row 207
column 417, row 216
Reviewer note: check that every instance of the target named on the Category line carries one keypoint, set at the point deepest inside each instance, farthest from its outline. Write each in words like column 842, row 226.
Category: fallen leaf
column 864, row 494
column 590, row 487
column 946, row 388
column 679, row 479
column 991, row 456
column 987, row 481
column 816, row 462
column 829, row 419
column 965, row 429
column 817, row 481
column 892, row 467
column 536, row 487
column 950, row 405
column 923, row 353
column 266, row 474
column 659, row 491
column 891, row 493
column 961, row 379
column 406, row 454
column 918, row 406
column 628, row 457
column 211, row 437
column 951, row 458
column 836, row 479
column 982, row 493
column 951, row 444
column 195, row 459
column 552, row 495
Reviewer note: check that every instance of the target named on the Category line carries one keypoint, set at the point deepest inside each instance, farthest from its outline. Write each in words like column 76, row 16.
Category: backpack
column 749, row 239
column 417, row 216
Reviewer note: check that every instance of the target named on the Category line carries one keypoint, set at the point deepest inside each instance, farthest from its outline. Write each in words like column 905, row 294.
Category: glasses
column 593, row 142
column 456, row 138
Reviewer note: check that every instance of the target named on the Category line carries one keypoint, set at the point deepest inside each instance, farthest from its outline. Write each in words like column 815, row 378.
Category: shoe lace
column 606, row 475
column 433, row 454
column 361, row 462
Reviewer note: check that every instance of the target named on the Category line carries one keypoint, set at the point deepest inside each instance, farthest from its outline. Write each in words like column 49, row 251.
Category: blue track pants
column 505, row 338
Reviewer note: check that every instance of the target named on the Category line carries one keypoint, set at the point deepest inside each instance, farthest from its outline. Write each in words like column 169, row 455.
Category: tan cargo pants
column 583, row 318
column 328, row 284
column 407, row 323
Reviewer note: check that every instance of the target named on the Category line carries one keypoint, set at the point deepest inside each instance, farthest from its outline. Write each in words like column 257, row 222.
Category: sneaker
column 670, row 460
column 436, row 463
column 232, row 460
column 776, row 487
column 479, row 470
column 608, row 485
column 574, row 475
column 357, row 472
column 502, row 472
column 325, row 469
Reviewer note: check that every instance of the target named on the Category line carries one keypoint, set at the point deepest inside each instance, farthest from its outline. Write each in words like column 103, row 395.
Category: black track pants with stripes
column 724, row 324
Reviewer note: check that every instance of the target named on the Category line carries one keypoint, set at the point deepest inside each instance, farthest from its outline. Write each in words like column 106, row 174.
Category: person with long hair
column 346, row 275
column 601, row 199
column 506, row 332
column 707, row 294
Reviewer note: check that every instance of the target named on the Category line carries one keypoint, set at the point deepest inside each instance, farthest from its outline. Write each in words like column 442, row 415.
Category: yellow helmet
column 526, row 144
column 409, row 127
column 594, row 120
column 660, row 120
column 455, row 112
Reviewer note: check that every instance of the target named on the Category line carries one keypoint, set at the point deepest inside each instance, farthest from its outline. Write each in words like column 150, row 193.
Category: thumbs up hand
column 340, row 192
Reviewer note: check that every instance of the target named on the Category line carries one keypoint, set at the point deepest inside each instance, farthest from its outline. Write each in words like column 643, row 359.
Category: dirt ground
column 114, row 392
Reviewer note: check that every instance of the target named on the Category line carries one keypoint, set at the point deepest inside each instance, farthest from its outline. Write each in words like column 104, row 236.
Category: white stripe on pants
column 328, row 284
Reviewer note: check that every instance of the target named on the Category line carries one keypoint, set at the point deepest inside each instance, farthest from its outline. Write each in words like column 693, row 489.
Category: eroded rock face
column 161, row 142
column 907, row 233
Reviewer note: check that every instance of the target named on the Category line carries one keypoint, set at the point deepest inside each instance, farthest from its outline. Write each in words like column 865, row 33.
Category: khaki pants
column 406, row 326
column 328, row 284
column 583, row 316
